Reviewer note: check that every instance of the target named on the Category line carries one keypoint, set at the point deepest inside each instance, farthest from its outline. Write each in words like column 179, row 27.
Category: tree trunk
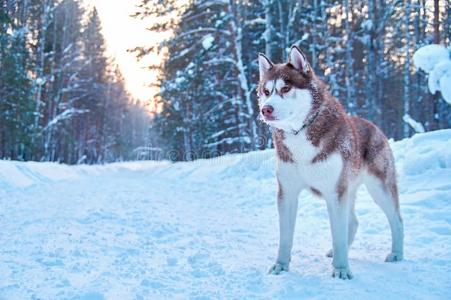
column 406, row 102
column 349, row 71
column 436, row 22
column 244, row 84
column 269, row 31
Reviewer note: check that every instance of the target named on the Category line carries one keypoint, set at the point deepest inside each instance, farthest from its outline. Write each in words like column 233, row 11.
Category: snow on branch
column 221, row 132
column 230, row 140
column 440, row 79
column 201, row 30
column 220, row 60
column 417, row 126
column 435, row 60
column 428, row 56
column 67, row 114
column 256, row 21
column 207, row 41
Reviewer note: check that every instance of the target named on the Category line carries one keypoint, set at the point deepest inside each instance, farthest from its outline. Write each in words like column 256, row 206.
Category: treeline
column 61, row 98
column 362, row 49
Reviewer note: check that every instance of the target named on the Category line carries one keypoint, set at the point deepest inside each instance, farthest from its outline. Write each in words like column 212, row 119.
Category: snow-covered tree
column 61, row 98
column 16, row 110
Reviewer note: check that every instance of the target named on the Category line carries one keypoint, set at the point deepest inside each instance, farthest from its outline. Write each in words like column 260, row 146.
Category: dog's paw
column 330, row 253
column 277, row 268
column 392, row 257
column 342, row 273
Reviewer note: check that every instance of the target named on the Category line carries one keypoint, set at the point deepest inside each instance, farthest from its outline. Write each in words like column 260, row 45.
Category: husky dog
column 322, row 149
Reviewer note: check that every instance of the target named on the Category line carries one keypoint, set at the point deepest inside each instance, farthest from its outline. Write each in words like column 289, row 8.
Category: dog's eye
column 285, row 89
column 266, row 92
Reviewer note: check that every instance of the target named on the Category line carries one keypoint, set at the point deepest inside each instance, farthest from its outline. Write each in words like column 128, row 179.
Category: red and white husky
column 322, row 149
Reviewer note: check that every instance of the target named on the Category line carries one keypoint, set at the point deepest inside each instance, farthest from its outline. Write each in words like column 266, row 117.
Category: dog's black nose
column 267, row 111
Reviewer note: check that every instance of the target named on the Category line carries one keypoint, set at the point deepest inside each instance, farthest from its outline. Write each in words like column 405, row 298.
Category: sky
column 121, row 33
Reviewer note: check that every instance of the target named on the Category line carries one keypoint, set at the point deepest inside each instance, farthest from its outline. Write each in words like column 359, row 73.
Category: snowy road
column 208, row 230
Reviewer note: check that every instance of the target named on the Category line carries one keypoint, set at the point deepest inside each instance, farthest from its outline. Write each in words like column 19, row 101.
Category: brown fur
column 282, row 150
column 289, row 74
column 315, row 191
column 279, row 191
column 375, row 152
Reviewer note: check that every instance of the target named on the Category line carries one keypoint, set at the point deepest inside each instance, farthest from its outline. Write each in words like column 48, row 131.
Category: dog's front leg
column 338, row 208
column 287, row 204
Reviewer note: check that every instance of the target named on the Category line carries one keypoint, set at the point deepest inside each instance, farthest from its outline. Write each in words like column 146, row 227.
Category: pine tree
column 15, row 93
column 94, row 83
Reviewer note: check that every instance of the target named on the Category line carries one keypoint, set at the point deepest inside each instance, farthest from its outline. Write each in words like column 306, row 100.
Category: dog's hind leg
column 386, row 197
column 353, row 224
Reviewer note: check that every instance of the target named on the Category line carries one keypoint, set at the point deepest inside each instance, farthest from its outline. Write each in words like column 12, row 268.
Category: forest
column 362, row 49
column 63, row 99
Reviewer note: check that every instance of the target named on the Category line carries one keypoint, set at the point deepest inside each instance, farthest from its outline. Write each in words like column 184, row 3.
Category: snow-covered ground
column 208, row 230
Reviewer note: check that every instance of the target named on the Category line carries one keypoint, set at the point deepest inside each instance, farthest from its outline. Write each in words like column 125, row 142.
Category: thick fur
column 322, row 149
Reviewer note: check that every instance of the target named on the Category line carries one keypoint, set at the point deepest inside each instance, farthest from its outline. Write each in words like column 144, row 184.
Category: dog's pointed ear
column 298, row 60
column 264, row 65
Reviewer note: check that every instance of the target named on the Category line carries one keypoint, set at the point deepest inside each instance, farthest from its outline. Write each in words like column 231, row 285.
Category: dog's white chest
column 322, row 175
column 302, row 149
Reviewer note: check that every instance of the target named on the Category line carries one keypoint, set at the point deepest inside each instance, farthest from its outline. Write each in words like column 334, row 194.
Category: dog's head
column 284, row 91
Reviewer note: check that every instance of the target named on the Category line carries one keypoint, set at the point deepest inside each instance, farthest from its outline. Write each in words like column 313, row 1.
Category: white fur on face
column 270, row 86
column 291, row 110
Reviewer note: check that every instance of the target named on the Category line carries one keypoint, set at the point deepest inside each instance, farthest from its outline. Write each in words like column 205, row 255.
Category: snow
column 435, row 60
column 440, row 70
column 180, row 80
column 367, row 25
column 256, row 21
column 40, row 81
column 417, row 126
column 207, row 42
column 208, row 230
column 428, row 56
column 445, row 85
column 67, row 114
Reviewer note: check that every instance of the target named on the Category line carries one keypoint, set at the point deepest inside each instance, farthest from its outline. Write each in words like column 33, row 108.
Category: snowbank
column 421, row 153
column 424, row 160
column 15, row 174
